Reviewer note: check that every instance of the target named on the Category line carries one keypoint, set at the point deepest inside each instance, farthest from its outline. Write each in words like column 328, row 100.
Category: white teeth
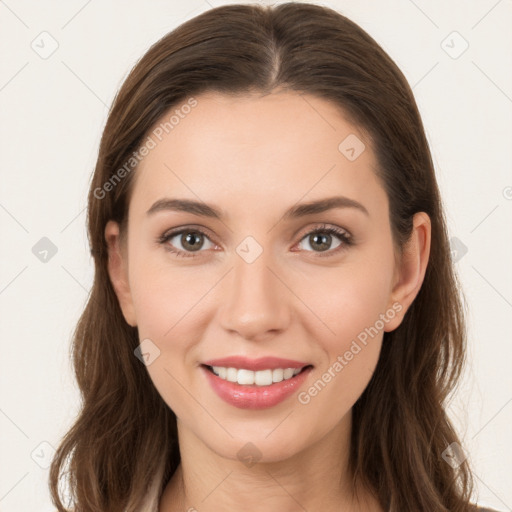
column 260, row 377
column 277, row 375
column 231, row 374
column 288, row 373
column 263, row 378
column 245, row 377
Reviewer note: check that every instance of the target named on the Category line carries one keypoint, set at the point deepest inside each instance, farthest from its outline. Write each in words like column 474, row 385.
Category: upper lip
column 262, row 363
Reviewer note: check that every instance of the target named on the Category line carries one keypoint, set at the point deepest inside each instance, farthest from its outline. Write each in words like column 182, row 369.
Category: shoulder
column 477, row 508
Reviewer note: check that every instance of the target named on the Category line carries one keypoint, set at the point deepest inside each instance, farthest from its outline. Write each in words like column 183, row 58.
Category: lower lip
column 255, row 397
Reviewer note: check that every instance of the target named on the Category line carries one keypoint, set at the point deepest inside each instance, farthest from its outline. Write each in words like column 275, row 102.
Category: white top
column 151, row 501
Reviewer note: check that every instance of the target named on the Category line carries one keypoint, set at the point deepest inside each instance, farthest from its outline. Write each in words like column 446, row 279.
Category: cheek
column 168, row 307
column 172, row 307
column 352, row 306
column 351, row 350
column 350, row 303
column 163, row 294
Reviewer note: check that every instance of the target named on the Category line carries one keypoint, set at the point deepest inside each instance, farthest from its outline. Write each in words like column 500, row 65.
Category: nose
column 257, row 300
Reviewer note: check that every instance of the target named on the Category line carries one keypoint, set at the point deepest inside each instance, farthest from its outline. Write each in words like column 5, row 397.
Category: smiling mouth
column 259, row 378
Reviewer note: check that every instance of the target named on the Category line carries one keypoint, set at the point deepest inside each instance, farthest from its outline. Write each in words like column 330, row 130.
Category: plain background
column 54, row 110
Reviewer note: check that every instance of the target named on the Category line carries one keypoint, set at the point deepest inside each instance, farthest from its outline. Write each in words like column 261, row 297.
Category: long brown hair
column 125, row 433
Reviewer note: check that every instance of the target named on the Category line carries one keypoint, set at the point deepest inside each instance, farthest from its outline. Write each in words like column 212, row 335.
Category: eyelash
column 344, row 236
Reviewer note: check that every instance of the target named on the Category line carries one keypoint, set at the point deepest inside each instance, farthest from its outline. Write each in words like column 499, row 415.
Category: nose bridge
column 255, row 299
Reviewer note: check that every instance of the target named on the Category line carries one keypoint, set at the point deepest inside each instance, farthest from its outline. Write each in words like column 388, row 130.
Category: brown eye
column 185, row 242
column 192, row 241
column 321, row 240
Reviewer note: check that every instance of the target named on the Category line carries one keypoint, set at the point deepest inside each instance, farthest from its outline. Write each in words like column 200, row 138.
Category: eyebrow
column 296, row 211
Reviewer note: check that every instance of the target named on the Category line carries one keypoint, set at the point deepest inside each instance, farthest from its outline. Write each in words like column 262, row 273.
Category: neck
column 316, row 478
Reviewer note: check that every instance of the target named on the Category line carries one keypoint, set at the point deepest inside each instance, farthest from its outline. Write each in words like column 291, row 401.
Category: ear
column 118, row 271
column 410, row 270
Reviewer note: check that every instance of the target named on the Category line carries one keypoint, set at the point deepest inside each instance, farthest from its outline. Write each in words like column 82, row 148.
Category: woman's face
column 265, row 280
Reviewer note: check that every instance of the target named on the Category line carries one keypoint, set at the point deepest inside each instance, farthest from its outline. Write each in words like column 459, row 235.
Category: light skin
column 253, row 158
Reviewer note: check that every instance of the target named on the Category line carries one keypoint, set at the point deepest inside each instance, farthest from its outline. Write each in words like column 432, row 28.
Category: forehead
column 279, row 147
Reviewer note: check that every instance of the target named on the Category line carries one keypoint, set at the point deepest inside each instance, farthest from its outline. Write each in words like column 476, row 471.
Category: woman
column 275, row 322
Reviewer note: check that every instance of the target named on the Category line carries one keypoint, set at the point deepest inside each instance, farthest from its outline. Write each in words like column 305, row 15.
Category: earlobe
column 412, row 267
column 118, row 271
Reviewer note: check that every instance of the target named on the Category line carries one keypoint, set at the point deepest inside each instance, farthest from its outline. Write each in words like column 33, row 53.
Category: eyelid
column 188, row 227
column 324, row 226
